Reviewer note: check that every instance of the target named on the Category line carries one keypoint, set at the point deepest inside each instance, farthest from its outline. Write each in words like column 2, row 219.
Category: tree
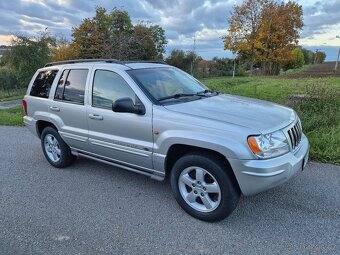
column 29, row 54
column 308, row 56
column 264, row 31
column 278, row 35
column 64, row 50
column 244, row 25
column 158, row 35
column 187, row 61
column 112, row 35
column 320, row 57
column 298, row 57
column 92, row 38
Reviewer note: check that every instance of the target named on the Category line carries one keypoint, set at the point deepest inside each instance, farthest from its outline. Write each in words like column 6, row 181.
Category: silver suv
column 156, row 120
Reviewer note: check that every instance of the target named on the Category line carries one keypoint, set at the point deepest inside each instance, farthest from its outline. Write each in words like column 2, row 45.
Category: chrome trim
column 294, row 135
column 73, row 136
column 263, row 174
column 138, row 152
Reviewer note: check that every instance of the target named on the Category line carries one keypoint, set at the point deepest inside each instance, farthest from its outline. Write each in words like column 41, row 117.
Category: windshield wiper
column 206, row 91
column 175, row 96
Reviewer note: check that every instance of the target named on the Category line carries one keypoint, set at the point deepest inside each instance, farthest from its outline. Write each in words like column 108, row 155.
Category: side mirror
column 126, row 105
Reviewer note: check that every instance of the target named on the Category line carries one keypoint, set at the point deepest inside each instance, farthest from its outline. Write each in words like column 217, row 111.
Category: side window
column 42, row 84
column 60, row 87
column 71, row 86
column 108, row 87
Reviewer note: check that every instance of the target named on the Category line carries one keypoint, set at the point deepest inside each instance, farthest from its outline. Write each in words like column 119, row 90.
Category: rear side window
column 71, row 86
column 42, row 84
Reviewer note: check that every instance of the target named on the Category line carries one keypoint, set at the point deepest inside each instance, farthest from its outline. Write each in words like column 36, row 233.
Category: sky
column 182, row 20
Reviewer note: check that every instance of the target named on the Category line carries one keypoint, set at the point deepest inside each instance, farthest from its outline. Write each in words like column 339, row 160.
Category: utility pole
column 234, row 68
column 193, row 57
column 316, row 53
column 337, row 59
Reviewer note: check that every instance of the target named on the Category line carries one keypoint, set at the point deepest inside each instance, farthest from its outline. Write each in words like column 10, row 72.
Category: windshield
column 166, row 83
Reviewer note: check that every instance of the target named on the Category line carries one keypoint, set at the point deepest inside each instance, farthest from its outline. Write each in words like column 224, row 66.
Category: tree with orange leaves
column 264, row 31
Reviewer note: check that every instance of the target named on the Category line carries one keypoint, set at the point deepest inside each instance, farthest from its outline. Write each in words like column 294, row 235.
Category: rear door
column 124, row 138
column 68, row 109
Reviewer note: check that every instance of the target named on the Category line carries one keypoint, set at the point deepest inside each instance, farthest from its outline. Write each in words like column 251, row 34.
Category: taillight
column 24, row 105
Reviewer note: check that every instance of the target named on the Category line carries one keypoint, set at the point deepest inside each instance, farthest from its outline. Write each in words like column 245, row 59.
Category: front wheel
column 203, row 187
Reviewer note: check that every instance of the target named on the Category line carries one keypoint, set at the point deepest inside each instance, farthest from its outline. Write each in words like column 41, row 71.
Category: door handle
column 54, row 108
column 95, row 116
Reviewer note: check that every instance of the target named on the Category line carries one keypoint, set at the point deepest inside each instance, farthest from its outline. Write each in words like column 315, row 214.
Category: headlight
column 269, row 145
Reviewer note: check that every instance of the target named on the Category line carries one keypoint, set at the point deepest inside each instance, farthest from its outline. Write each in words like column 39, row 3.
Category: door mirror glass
column 126, row 105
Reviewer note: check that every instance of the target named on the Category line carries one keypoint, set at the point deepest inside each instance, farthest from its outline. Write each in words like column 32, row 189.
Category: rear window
column 71, row 86
column 42, row 84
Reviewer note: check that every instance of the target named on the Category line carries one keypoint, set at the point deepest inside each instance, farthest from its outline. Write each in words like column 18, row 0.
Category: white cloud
column 182, row 19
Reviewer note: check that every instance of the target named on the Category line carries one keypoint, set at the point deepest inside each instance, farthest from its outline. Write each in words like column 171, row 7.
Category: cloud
column 206, row 20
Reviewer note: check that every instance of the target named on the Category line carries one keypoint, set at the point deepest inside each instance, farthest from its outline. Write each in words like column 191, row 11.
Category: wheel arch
column 176, row 151
column 42, row 124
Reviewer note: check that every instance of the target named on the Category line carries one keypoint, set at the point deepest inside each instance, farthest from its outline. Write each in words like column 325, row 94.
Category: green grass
column 12, row 94
column 319, row 112
column 12, row 116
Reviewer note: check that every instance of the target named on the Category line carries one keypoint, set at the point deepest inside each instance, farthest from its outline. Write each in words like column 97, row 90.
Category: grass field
column 319, row 109
column 11, row 116
column 12, row 94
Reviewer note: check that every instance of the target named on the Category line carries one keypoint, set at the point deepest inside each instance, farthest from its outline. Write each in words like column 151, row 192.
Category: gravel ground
column 92, row 208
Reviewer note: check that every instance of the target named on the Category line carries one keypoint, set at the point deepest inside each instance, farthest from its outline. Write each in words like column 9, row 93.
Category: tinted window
column 60, row 87
column 108, row 87
column 42, row 84
column 71, row 86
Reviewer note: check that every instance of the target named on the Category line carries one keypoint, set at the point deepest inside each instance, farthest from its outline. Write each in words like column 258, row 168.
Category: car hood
column 256, row 114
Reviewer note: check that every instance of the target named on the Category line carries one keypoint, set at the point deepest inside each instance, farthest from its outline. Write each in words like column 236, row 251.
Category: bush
column 8, row 81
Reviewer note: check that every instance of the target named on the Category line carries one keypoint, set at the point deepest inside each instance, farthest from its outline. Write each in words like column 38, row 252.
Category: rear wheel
column 203, row 188
column 56, row 151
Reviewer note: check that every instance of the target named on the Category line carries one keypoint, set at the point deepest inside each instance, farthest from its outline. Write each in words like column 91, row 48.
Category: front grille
column 295, row 134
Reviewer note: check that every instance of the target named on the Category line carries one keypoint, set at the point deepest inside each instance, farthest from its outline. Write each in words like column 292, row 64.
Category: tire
column 203, row 187
column 56, row 151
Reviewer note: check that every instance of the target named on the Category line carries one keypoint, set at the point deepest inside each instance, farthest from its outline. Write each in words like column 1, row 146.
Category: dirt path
column 10, row 104
column 319, row 71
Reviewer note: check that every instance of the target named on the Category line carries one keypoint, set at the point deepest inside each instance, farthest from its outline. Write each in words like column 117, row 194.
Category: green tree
column 187, row 61
column 29, row 54
column 308, row 56
column 298, row 57
column 158, row 35
column 112, row 35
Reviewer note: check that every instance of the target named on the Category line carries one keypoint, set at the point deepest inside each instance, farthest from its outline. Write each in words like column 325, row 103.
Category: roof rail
column 83, row 61
column 145, row 61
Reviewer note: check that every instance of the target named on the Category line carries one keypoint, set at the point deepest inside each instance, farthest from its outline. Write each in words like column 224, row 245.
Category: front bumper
column 254, row 176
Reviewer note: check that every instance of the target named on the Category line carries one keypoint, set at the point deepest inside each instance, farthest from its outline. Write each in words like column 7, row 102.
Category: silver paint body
column 220, row 123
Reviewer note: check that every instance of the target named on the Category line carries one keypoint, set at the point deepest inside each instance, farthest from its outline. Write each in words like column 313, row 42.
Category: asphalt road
column 92, row 208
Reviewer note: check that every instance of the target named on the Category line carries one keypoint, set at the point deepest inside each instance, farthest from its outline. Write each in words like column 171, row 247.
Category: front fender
column 230, row 146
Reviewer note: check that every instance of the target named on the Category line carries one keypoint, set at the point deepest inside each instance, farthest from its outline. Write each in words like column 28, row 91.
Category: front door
column 123, row 138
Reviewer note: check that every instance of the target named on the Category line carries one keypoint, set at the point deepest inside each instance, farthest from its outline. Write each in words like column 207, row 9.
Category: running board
column 152, row 174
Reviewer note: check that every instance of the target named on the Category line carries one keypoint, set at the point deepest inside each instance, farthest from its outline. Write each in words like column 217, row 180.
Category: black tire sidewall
column 229, row 192
column 66, row 156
